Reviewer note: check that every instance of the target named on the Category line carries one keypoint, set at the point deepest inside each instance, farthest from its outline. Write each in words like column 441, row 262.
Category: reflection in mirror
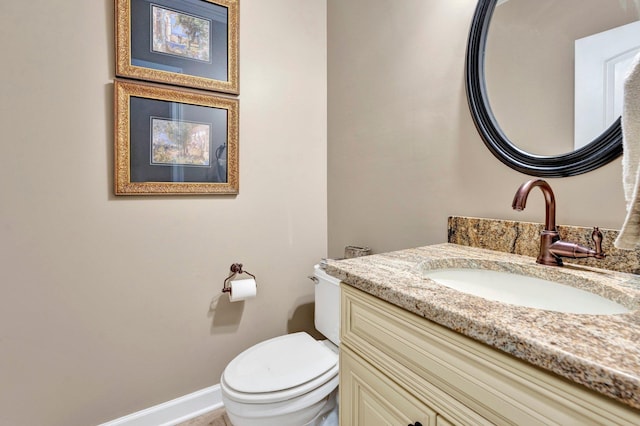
column 602, row 62
column 532, row 83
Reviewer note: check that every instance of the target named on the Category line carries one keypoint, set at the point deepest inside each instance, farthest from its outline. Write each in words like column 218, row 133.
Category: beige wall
column 403, row 151
column 104, row 304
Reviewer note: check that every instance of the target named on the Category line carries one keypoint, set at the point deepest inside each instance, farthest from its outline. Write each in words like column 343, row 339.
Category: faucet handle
column 596, row 236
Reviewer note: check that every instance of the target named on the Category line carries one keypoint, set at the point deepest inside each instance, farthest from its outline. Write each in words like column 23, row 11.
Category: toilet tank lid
column 280, row 363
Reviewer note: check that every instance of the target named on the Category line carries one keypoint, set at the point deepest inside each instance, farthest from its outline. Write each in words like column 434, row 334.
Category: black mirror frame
column 602, row 150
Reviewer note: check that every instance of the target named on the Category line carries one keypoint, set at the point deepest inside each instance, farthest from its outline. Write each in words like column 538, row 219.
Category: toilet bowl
column 289, row 380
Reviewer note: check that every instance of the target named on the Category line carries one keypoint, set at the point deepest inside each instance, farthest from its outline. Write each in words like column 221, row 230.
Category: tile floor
column 214, row 418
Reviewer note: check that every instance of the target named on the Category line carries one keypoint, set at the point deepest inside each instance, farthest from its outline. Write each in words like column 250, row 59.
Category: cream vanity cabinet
column 397, row 369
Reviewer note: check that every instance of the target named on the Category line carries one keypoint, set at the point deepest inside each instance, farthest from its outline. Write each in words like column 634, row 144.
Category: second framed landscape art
column 174, row 141
column 191, row 43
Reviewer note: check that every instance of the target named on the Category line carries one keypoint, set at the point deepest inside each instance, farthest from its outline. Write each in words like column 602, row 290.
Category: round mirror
column 544, row 81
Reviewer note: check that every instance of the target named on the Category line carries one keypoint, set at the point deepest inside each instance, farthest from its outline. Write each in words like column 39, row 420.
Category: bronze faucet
column 552, row 248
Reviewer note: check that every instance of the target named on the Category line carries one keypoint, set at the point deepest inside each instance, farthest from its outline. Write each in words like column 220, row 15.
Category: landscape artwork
column 180, row 142
column 179, row 34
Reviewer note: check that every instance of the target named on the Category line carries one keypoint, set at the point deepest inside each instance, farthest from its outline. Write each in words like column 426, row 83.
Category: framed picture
column 174, row 141
column 192, row 43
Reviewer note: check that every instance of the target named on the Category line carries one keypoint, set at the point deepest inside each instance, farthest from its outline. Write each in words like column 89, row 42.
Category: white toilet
column 289, row 380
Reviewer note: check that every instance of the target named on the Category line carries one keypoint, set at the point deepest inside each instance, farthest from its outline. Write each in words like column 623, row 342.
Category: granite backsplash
column 524, row 238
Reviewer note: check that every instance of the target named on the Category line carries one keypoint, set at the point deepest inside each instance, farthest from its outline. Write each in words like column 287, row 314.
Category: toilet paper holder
column 236, row 268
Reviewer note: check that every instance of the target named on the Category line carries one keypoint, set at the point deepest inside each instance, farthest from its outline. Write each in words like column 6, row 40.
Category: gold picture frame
column 174, row 141
column 190, row 43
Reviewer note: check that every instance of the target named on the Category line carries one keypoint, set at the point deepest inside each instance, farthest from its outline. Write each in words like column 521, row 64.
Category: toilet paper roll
column 242, row 289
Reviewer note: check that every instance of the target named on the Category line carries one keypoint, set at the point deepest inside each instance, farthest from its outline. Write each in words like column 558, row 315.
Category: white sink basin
column 522, row 290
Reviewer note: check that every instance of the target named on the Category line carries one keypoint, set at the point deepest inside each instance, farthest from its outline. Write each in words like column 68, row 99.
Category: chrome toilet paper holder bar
column 236, row 269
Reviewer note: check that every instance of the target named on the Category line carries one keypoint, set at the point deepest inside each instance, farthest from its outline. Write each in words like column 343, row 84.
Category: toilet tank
column 327, row 310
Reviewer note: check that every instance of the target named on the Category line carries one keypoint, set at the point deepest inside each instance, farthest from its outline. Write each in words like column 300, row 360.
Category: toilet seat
column 280, row 369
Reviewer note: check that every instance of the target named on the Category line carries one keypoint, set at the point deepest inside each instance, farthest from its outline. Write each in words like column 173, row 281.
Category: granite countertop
column 601, row 352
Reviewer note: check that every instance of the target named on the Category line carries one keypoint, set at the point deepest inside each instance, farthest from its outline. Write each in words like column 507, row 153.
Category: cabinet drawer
column 466, row 381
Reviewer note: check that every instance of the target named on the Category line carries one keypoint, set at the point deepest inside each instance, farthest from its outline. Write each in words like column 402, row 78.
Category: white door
column 601, row 63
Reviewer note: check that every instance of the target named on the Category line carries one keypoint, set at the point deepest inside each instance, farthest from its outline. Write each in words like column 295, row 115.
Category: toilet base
column 328, row 416
column 317, row 414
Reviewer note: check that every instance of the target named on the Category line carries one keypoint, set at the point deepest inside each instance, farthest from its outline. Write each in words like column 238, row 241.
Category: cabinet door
column 441, row 421
column 369, row 398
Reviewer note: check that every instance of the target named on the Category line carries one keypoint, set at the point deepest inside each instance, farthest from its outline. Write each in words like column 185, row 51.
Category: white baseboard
column 175, row 411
